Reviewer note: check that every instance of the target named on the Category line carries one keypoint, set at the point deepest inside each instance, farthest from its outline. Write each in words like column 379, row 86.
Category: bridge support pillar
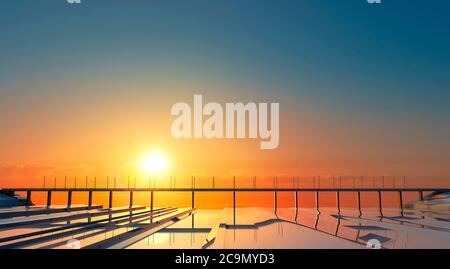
column 131, row 199
column 400, row 202
column 69, row 199
column 151, row 207
column 296, row 206
column 49, row 198
column 275, row 203
column 358, row 202
column 110, row 204
column 317, row 202
column 28, row 201
column 234, row 208
column 338, row 202
column 380, row 204
column 90, row 199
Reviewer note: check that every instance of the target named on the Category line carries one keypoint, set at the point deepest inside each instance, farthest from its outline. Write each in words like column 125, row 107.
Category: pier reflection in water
column 260, row 228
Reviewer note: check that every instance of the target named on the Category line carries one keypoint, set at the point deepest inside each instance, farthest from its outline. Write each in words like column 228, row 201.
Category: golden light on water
column 154, row 162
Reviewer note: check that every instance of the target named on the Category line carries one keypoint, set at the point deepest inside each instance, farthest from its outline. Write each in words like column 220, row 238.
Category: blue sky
column 400, row 47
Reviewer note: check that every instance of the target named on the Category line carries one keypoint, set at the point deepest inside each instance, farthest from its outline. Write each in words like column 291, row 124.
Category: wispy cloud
column 33, row 170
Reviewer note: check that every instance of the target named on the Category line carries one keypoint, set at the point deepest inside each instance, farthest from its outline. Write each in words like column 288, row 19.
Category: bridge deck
column 225, row 189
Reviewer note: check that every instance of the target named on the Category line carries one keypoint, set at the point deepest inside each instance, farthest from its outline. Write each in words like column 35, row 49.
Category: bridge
column 193, row 191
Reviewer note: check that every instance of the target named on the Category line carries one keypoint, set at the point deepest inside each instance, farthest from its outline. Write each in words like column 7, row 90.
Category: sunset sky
column 87, row 89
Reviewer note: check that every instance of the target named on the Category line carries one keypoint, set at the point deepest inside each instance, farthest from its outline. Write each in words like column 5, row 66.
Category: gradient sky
column 87, row 89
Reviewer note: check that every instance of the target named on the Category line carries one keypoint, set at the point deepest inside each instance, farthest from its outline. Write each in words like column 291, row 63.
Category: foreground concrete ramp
column 73, row 230
column 58, row 217
column 129, row 238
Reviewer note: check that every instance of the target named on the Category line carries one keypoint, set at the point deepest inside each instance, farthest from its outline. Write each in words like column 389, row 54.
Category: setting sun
column 154, row 162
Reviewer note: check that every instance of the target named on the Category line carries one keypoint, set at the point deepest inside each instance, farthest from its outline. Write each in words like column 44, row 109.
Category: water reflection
column 254, row 228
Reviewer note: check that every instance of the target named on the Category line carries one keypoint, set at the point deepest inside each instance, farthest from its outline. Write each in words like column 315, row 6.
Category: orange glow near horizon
column 44, row 140
column 135, row 143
